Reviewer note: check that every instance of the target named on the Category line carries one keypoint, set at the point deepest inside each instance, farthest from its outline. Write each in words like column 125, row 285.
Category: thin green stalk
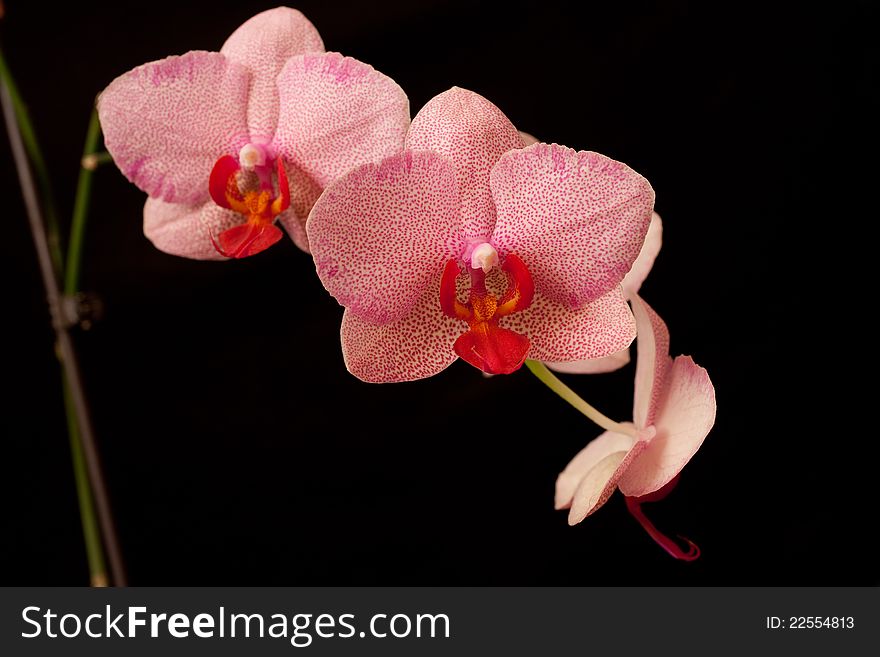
column 91, row 532
column 551, row 381
column 35, row 155
column 81, row 206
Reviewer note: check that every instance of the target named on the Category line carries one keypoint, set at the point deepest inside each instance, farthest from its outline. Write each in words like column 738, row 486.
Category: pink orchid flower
column 673, row 412
column 227, row 143
column 544, row 234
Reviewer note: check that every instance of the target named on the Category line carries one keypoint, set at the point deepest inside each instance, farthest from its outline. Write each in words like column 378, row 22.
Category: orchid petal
column 632, row 282
column 185, row 230
column 304, row 191
column 600, row 481
column 577, row 218
column 653, row 362
column 584, row 461
column 263, row 44
column 381, row 235
column 683, row 420
column 558, row 333
column 593, row 366
column 528, row 139
column 336, row 114
column 473, row 134
column 414, row 347
column 165, row 123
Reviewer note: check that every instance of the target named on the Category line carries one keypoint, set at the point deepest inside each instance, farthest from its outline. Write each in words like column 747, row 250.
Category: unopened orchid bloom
column 673, row 412
column 228, row 143
column 542, row 235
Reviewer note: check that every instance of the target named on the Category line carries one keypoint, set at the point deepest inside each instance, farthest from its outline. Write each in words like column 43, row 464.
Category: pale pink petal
column 593, row 366
column 653, row 362
column 382, row 234
column 558, row 333
column 295, row 228
column 684, row 419
column 263, row 44
column 166, row 123
column 184, row 230
column 584, row 461
column 632, row 282
column 528, row 139
column 599, row 482
column 473, row 134
column 304, row 191
column 576, row 218
column 416, row 346
column 336, row 114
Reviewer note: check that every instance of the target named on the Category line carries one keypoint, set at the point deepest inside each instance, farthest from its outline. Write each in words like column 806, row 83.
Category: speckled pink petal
column 584, row 461
column 264, row 43
column 416, row 346
column 382, row 234
column 632, row 282
column 183, row 230
column 599, row 482
column 653, row 362
column 684, row 419
column 558, row 333
column 338, row 113
column 304, row 191
column 593, row 366
column 165, row 123
column 473, row 134
column 576, row 218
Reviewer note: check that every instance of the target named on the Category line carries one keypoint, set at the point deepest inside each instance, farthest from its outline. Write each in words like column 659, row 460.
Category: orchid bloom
column 673, row 412
column 544, row 236
column 227, row 143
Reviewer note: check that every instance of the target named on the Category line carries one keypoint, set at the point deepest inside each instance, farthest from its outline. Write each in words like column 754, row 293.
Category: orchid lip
column 259, row 206
column 486, row 345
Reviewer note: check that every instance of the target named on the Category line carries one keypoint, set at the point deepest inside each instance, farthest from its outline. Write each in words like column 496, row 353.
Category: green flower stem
column 91, row 532
column 35, row 155
column 549, row 379
column 81, row 205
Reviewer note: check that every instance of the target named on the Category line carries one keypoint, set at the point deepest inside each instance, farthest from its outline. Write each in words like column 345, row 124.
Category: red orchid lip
column 258, row 232
column 486, row 345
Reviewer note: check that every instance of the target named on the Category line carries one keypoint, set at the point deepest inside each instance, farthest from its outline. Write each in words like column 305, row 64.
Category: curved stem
column 550, row 380
column 81, row 206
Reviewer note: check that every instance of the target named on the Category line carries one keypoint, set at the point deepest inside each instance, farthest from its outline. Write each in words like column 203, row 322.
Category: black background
column 239, row 451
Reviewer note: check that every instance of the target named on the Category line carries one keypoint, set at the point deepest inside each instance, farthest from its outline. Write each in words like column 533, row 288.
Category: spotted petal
column 381, row 235
column 558, row 333
column 472, row 133
column 185, row 230
column 578, row 219
column 683, row 420
column 263, row 44
column 413, row 347
column 165, row 123
column 336, row 114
